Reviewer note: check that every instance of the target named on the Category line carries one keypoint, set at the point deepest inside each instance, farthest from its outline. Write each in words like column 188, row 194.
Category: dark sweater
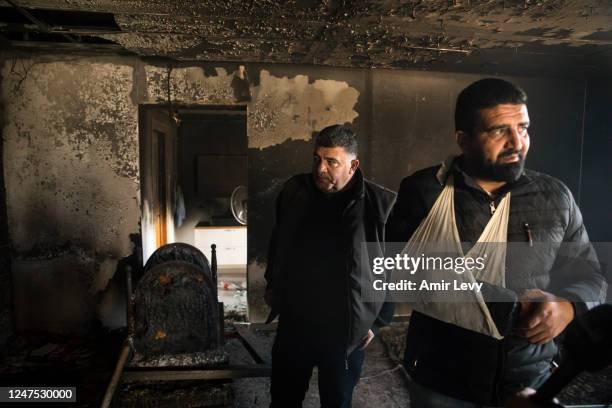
column 320, row 277
column 363, row 220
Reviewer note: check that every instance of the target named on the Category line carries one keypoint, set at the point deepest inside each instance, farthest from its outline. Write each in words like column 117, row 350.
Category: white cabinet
column 231, row 247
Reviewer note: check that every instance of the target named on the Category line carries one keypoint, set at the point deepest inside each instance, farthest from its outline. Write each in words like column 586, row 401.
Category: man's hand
column 268, row 296
column 543, row 316
column 522, row 399
column 366, row 340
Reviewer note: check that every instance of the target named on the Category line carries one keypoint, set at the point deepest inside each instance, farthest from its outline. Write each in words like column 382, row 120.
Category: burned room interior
column 142, row 139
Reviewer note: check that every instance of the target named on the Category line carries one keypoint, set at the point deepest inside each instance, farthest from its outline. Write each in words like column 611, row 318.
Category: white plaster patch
column 293, row 109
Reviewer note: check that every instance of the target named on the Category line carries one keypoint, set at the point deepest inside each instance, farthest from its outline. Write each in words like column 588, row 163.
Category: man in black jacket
column 313, row 274
column 453, row 366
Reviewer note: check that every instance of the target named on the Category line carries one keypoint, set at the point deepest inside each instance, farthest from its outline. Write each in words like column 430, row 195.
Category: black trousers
column 296, row 352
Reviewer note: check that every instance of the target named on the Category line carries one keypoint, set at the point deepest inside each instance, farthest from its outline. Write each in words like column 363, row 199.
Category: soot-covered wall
column 72, row 172
column 72, row 167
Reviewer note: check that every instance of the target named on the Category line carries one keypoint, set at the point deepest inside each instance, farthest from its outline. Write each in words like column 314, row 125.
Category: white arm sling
column 440, row 227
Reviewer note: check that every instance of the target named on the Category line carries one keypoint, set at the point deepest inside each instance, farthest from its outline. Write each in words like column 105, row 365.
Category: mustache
column 511, row 153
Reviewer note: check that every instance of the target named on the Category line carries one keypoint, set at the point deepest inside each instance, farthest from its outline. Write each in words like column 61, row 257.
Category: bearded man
column 541, row 291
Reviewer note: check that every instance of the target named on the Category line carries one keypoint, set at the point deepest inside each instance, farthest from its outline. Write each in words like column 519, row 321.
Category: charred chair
column 174, row 319
column 177, row 320
column 175, row 324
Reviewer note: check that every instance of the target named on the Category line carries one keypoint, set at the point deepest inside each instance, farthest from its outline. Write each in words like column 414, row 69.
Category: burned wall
column 286, row 106
column 71, row 156
column 6, row 292
column 71, row 169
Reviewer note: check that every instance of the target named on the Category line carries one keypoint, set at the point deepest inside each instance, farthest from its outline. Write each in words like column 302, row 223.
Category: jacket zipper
column 350, row 313
column 348, row 292
column 528, row 233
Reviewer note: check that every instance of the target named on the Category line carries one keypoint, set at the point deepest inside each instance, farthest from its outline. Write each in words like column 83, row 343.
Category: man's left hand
column 548, row 317
column 367, row 339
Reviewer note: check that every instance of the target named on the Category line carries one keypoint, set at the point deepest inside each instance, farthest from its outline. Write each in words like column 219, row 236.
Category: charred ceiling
column 344, row 33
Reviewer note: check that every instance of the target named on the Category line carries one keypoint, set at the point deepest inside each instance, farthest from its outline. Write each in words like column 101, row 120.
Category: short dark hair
column 484, row 94
column 338, row 136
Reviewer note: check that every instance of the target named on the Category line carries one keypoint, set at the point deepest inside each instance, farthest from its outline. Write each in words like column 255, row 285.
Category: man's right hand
column 268, row 297
column 543, row 316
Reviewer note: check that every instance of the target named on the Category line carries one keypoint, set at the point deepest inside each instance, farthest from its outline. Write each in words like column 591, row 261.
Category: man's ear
column 354, row 165
column 462, row 140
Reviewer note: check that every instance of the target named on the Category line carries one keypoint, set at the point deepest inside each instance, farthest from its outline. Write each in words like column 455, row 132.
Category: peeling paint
column 189, row 85
column 71, row 158
column 293, row 108
column 281, row 108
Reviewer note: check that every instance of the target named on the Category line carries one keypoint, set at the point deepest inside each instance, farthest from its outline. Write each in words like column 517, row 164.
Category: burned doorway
column 194, row 180
column 157, row 177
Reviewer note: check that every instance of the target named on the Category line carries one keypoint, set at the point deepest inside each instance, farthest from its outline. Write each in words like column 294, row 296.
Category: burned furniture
column 175, row 323
column 176, row 311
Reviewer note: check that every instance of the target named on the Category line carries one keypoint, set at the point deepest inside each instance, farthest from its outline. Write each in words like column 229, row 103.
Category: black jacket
column 363, row 221
column 470, row 366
